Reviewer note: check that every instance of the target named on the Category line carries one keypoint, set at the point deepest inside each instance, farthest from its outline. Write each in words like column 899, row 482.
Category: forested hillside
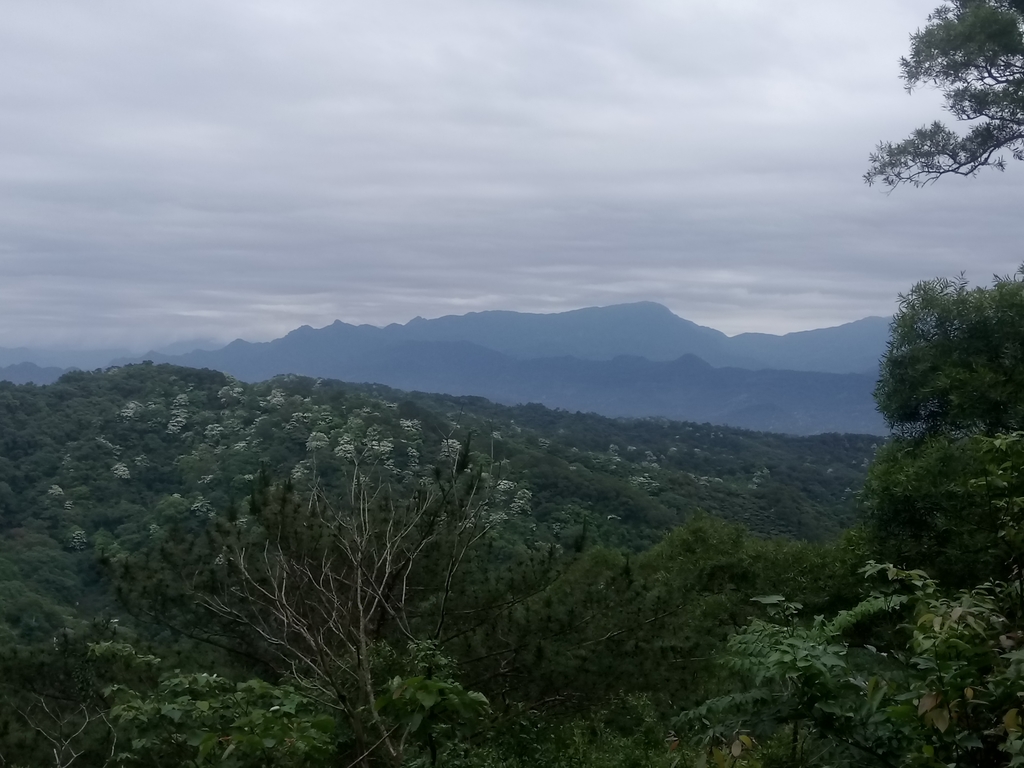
column 304, row 573
column 104, row 461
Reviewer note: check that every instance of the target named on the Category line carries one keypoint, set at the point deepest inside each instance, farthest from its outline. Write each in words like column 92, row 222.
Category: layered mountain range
column 634, row 360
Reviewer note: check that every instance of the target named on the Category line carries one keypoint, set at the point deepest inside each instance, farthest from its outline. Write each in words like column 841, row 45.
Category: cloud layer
column 240, row 168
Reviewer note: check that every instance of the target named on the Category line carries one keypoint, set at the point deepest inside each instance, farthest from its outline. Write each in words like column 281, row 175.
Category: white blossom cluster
column 300, row 471
column 202, row 507
column 231, row 393
column 645, row 482
column 316, row 441
column 450, row 448
column 275, row 399
column 130, row 410
column 704, row 480
column 179, row 414
column 521, row 504
column 346, row 448
column 321, row 416
column 410, row 425
column 544, row 442
column 55, row 490
column 414, row 457
column 296, row 427
column 504, row 487
column 494, row 516
column 760, row 477
column 121, row 471
column 69, row 504
column 496, row 435
column 142, row 460
column 213, row 431
column 378, row 443
column 78, row 540
column 115, row 449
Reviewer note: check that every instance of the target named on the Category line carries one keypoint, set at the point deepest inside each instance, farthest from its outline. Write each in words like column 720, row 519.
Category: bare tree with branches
column 322, row 585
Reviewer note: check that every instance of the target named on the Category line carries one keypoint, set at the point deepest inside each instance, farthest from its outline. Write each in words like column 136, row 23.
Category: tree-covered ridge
column 106, row 461
column 321, row 574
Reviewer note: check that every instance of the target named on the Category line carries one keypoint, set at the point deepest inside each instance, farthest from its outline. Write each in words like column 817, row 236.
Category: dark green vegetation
column 525, row 554
column 106, row 461
column 306, row 573
column 972, row 51
column 923, row 671
column 196, row 572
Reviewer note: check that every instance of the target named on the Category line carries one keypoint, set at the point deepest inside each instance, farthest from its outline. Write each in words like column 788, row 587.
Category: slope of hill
column 89, row 359
column 30, row 373
column 688, row 388
column 851, row 348
column 107, row 461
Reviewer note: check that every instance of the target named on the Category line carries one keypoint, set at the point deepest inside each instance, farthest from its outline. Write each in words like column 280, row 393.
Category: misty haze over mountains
column 625, row 360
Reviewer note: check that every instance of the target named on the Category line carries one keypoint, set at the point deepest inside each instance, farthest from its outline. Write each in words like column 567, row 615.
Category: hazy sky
column 238, row 168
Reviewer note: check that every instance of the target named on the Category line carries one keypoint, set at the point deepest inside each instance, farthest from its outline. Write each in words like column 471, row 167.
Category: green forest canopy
column 104, row 461
column 307, row 573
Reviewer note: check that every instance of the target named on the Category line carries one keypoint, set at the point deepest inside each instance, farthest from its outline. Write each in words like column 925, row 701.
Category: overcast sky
column 237, row 168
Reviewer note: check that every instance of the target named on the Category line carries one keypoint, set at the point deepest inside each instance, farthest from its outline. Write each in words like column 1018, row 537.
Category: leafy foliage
column 953, row 364
column 950, row 380
column 973, row 51
column 206, row 720
column 944, row 691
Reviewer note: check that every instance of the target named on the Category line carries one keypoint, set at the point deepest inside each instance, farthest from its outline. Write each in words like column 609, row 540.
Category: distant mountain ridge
column 642, row 329
column 92, row 358
column 688, row 388
column 624, row 360
column 30, row 373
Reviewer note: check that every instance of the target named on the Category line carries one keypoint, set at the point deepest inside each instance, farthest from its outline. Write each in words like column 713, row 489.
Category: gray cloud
column 240, row 168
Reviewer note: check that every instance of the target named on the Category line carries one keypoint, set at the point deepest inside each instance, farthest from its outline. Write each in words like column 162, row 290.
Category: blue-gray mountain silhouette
column 625, row 360
column 30, row 373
